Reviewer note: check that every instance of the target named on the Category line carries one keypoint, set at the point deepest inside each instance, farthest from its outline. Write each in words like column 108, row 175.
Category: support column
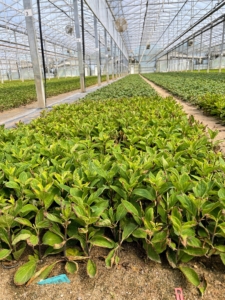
column 64, row 68
column 10, row 70
column 97, row 48
column 115, row 61
column 187, row 60
column 17, row 60
column 2, row 80
column 167, row 63
column 120, row 63
column 47, row 60
column 182, row 59
column 209, row 54
column 200, row 59
column 71, row 69
column 34, row 53
column 21, row 71
column 174, row 60
column 112, row 59
column 106, row 56
column 56, row 62
column 193, row 50
column 100, row 55
column 79, row 49
column 222, row 47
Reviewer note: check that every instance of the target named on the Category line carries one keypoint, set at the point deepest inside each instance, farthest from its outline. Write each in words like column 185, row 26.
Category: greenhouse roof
column 159, row 24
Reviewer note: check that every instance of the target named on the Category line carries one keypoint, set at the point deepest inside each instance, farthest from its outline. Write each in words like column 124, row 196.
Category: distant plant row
column 17, row 93
column 202, row 89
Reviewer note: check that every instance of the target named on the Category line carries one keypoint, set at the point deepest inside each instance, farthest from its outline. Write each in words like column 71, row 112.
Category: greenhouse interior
column 112, row 149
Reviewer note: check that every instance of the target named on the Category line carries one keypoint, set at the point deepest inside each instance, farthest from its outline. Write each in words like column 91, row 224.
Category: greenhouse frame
column 78, row 38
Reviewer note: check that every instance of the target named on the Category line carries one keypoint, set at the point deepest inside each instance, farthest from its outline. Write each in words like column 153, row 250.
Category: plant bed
column 16, row 93
column 104, row 172
column 204, row 90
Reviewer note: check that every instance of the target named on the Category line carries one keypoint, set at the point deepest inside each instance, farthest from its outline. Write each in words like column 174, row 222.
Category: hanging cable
column 83, row 37
column 42, row 44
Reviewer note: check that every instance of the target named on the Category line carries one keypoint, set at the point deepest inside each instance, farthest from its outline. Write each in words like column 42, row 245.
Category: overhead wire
column 42, row 45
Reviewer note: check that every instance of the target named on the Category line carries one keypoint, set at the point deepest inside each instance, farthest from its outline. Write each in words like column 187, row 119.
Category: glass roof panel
column 154, row 26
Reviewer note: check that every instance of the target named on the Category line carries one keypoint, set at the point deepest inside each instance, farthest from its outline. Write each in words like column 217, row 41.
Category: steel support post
column 2, row 79
column 115, row 61
column 120, row 63
column 112, row 58
column 57, row 68
column 79, row 49
column 21, row 72
column 222, row 47
column 100, row 55
column 179, row 60
column 167, row 62
column 10, row 70
column 182, row 60
column 56, row 62
column 175, row 60
column 47, row 60
column 200, row 59
column 187, row 60
column 26, row 67
column 106, row 57
column 34, row 53
column 97, row 48
column 17, row 60
column 64, row 68
column 170, row 63
column 209, row 54
column 71, row 69
column 193, row 50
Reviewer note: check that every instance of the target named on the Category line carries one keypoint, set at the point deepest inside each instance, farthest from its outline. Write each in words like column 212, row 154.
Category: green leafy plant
column 16, row 93
column 104, row 172
column 205, row 90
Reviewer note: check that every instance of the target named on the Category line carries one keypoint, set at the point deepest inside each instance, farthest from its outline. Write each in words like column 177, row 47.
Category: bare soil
column 134, row 278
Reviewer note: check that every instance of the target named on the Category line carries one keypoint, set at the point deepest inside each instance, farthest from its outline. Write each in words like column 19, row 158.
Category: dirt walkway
column 191, row 110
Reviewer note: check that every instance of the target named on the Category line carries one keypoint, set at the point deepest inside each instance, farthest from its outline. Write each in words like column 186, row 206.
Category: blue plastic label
column 56, row 279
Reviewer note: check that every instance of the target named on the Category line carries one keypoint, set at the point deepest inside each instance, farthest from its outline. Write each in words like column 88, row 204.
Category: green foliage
column 206, row 90
column 103, row 172
column 16, row 93
column 125, row 88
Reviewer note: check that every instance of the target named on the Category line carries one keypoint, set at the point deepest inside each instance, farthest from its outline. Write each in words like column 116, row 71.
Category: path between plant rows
column 209, row 121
